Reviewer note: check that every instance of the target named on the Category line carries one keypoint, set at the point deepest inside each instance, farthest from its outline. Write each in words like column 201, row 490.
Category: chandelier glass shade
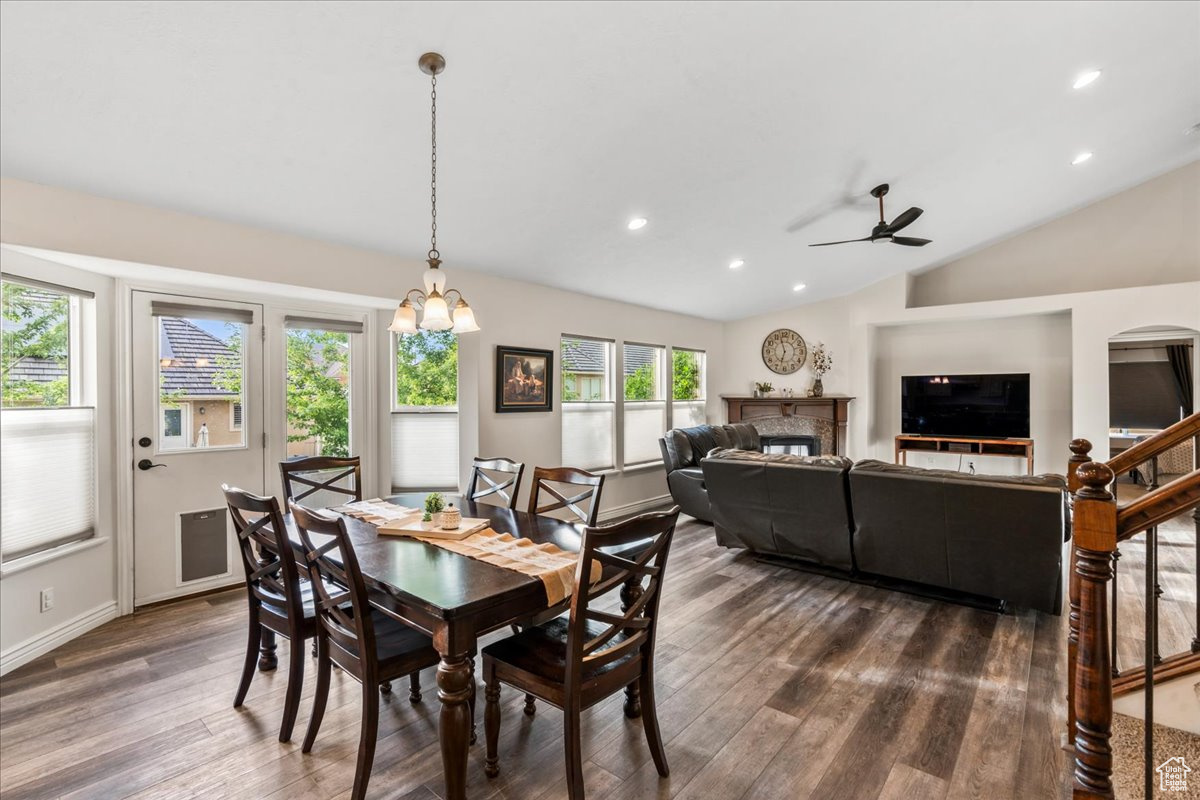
column 434, row 301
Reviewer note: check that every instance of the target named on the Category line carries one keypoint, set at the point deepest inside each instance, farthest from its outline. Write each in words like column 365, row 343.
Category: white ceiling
column 723, row 123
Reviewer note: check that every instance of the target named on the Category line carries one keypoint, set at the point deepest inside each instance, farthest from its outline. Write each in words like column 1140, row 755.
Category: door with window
column 197, row 423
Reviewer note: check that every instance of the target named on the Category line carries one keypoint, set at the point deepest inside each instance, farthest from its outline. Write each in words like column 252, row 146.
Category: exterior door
column 197, row 423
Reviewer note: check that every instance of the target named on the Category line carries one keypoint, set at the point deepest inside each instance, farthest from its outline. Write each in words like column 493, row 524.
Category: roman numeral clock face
column 784, row 351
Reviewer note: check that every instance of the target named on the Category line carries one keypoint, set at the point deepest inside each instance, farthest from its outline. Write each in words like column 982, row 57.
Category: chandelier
column 434, row 301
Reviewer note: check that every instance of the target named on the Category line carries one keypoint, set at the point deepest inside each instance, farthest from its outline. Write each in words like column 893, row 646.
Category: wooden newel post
column 1095, row 534
column 1080, row 448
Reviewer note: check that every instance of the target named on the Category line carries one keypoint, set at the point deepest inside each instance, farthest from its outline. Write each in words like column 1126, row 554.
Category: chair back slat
column 544, row 479
column 336, row 578
column 506, row 490
column 272, row 574
column 651, row 534
column 314, row 472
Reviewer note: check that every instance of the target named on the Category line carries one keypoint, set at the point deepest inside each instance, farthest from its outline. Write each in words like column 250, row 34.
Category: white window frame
column 662, row 374
column 234, row 424
column 702, row 399
column 612, row 363
column 397, row 409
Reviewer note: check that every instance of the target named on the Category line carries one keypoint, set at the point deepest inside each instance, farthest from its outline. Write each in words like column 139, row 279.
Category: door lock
column 146, row 464
column 144, row 441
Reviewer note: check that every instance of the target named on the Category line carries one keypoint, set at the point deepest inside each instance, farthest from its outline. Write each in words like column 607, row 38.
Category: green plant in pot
column 434, row 505
column 762, row 389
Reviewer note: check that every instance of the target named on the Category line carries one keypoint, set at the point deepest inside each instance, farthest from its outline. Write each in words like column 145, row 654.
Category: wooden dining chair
column 279, row 602
column 506, row 489
column 545, row 478
column 575, row 663
column 321, row 474
column 363, row 641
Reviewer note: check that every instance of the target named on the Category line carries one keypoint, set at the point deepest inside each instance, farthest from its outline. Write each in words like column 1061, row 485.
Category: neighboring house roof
column 37, row 370
column 587, row 356
column 196, row 356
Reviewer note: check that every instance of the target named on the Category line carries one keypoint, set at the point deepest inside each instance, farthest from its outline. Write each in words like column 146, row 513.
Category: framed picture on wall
column 524, row 379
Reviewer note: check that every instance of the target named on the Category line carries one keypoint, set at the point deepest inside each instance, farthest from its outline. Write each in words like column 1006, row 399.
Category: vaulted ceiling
column 724, row 124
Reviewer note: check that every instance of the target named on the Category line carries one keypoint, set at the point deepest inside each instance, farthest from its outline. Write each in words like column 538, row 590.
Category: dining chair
column 576, row 662
column 545, row 478
column 321, row 474
column 507, row 490
column 279, row 602
column 363, row 641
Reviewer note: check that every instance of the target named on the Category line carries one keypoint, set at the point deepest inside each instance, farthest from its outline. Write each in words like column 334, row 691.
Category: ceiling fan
column 884, row 231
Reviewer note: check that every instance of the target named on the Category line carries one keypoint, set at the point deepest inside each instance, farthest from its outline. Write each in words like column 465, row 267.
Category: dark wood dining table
column 455, row 599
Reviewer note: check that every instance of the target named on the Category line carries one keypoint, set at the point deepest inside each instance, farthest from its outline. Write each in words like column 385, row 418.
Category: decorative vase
column 451, row 519
column 818, row 390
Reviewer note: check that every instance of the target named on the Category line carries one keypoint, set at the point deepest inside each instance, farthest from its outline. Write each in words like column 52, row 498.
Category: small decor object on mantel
column 784, row 351
column 524, row 379
column 762, row 389
column 822, row 362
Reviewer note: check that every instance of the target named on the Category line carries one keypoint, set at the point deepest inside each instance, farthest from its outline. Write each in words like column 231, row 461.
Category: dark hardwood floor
column 772, row 683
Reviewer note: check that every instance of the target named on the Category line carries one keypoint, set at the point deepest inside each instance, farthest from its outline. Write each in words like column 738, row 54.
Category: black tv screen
column 983, row 406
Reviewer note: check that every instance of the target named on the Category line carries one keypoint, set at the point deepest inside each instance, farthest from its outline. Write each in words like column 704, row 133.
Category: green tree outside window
column 427, row 369
column 36, row 326
column 685, row 375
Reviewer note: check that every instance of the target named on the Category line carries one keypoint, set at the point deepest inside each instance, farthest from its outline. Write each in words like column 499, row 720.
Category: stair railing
column 1099, row 526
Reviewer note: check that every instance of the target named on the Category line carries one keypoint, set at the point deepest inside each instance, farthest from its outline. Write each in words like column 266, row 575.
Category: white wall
column 83, row 575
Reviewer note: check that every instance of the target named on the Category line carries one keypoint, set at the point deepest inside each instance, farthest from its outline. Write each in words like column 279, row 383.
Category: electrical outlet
column 47, row 599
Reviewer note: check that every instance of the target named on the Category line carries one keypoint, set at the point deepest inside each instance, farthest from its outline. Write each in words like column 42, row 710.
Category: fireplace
column 820, row 418
column 792, row 444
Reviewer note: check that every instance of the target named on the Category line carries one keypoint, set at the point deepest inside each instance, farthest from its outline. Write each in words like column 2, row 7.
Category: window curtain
column 1180, row 357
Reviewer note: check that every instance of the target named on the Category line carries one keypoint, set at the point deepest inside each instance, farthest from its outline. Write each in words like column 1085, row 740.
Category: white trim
column 32, row 560
column 635, row 508
column 60, row 634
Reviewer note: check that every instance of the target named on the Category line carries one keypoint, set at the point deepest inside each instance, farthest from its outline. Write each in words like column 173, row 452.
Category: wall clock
column 784, row 351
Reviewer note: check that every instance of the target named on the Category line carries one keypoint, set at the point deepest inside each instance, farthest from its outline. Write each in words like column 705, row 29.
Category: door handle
column 146, row 464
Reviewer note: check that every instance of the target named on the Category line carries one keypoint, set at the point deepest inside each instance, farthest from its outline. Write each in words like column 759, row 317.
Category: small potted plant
column 762, row 388
column 434, row 504
column 822, row 361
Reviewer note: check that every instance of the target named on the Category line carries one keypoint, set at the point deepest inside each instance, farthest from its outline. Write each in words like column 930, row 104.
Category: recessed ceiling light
column 1082, row 157
column 737, row 262
column 799, row 287
column 1085, row 78
column 637, row 223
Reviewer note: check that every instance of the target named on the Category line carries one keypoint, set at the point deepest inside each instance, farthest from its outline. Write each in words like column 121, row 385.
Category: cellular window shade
column 318, row 324
column 425, row 451
column 587, row 435
column 645, row 424
column 47, row 478
column 54, row 287
column 160, row 308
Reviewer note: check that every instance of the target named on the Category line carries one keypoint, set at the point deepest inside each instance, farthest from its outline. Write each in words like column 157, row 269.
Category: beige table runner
column 549, row 563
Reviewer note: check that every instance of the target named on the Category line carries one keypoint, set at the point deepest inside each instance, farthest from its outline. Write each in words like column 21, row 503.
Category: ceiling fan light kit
column 885, row 232
column 436, row 312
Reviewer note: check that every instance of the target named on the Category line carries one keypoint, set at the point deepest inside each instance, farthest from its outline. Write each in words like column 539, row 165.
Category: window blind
column 54, row 287
column 319, row 324
column 645, row 424
column 160, row 308
column 687, row 413
column 425, row 451
column 587, row 435
column 47, row 478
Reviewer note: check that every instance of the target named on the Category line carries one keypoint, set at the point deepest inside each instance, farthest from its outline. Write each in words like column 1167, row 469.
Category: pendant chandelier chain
column 433, row 251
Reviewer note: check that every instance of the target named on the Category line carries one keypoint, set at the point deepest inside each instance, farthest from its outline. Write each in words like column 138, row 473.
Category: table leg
column 631, row 592
column 454, row 690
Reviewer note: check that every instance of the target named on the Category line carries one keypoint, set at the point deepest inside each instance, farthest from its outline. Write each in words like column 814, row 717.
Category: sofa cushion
column 702, row 439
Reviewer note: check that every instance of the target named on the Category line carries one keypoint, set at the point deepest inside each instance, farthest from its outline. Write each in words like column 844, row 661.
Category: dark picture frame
column 524, row 379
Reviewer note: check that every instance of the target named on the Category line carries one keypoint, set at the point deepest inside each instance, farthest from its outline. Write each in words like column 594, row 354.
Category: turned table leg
column 454, row 690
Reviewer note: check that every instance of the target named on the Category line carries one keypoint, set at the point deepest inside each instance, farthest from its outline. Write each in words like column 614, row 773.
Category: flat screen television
column 980, row 406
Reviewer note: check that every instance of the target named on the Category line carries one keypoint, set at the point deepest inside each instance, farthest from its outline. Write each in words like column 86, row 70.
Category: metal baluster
column 1196, row 550
column 1116, row 556
column 1150, row 646
column 1158, row 592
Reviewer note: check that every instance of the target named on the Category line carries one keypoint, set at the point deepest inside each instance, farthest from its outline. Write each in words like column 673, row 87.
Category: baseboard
column 630, row 509
column 60, row 634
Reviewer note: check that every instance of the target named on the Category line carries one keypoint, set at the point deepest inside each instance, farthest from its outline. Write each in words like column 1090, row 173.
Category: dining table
column 455, row 599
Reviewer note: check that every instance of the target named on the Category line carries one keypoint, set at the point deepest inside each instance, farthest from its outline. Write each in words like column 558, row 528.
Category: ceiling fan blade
column 911, row 241
column 904, row 220
column 844, row 241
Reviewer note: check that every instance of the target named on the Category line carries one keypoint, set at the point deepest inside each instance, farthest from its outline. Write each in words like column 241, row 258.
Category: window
column 687, row 388
column 588, row 405
column 318, row 386
column 425, row 416
column 645, row 409
column 201, row 370
column 49, row 433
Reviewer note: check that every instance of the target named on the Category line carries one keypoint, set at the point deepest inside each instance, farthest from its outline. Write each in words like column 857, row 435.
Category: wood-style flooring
column 773, row 684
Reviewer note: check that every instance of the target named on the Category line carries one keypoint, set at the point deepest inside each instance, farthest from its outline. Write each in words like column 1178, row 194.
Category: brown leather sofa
column 682, row 449
column 992, row 536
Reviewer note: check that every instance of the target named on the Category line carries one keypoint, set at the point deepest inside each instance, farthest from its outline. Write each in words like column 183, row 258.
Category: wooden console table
column 965, row 446
column 831, row 408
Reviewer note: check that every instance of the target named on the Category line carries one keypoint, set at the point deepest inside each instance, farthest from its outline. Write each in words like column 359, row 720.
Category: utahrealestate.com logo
column 1173, row 775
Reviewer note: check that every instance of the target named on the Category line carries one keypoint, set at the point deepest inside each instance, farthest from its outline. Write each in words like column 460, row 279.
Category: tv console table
column 965, row 446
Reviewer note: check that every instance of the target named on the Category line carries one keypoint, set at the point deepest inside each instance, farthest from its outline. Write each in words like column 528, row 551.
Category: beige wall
column 1145, row 236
